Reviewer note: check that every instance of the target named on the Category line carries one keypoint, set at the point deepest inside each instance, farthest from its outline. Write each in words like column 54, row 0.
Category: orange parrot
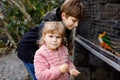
column 104, row 41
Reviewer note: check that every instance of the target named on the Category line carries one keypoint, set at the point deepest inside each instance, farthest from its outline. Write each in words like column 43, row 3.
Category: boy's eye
column 74, row 20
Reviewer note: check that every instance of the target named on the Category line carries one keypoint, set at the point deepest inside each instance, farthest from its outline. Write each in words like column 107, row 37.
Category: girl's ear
column 43, row 37
column 42, row 40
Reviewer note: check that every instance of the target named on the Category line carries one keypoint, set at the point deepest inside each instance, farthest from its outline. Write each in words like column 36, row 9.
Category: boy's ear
column 63, row 15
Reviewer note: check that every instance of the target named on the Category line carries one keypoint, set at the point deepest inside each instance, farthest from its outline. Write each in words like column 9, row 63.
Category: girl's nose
column 54, row 39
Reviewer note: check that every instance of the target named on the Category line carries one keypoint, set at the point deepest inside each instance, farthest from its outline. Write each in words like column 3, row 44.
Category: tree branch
column 21, row 7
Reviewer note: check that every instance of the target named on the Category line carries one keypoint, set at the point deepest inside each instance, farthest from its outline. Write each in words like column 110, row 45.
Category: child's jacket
column 46, row 63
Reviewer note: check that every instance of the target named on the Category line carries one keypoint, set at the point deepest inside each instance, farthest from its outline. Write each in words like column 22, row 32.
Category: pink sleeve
column 71, row 65
column 42, row 69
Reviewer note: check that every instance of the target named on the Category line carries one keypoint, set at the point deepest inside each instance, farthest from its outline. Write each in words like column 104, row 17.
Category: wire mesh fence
column 101, row 16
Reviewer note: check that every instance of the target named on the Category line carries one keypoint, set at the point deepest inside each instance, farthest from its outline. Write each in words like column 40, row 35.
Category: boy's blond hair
column 52, row 27
column 72, row 8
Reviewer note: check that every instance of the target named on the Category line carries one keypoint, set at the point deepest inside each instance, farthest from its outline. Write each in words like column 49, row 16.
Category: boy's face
column 52, row 40
column 69, row 22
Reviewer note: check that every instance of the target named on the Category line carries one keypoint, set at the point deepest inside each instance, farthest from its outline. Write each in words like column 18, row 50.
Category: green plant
column 18, row 16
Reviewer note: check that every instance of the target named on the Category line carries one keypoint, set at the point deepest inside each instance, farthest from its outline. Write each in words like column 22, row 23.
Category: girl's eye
column 50, row 36
column 58, row 37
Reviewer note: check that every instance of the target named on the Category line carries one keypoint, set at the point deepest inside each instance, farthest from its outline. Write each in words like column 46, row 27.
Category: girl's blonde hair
column 52, row 27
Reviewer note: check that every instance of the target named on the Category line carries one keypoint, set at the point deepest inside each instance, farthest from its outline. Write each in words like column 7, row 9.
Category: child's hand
column 63, row 68
column 74, row 72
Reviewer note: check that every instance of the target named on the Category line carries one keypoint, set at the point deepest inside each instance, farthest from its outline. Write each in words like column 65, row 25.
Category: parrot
column 104, row 41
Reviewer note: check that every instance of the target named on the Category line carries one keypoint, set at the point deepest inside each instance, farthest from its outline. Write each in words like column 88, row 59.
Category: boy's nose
column 76, row 24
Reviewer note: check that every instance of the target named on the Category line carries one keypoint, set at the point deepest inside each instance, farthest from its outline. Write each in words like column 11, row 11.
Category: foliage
column 18, row 16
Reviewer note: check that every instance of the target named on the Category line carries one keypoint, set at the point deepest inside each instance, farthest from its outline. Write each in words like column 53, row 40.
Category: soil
column 12, row 68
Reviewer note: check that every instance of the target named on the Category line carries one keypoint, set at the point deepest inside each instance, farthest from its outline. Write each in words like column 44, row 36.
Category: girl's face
column 52, row 40
column 69, row 22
